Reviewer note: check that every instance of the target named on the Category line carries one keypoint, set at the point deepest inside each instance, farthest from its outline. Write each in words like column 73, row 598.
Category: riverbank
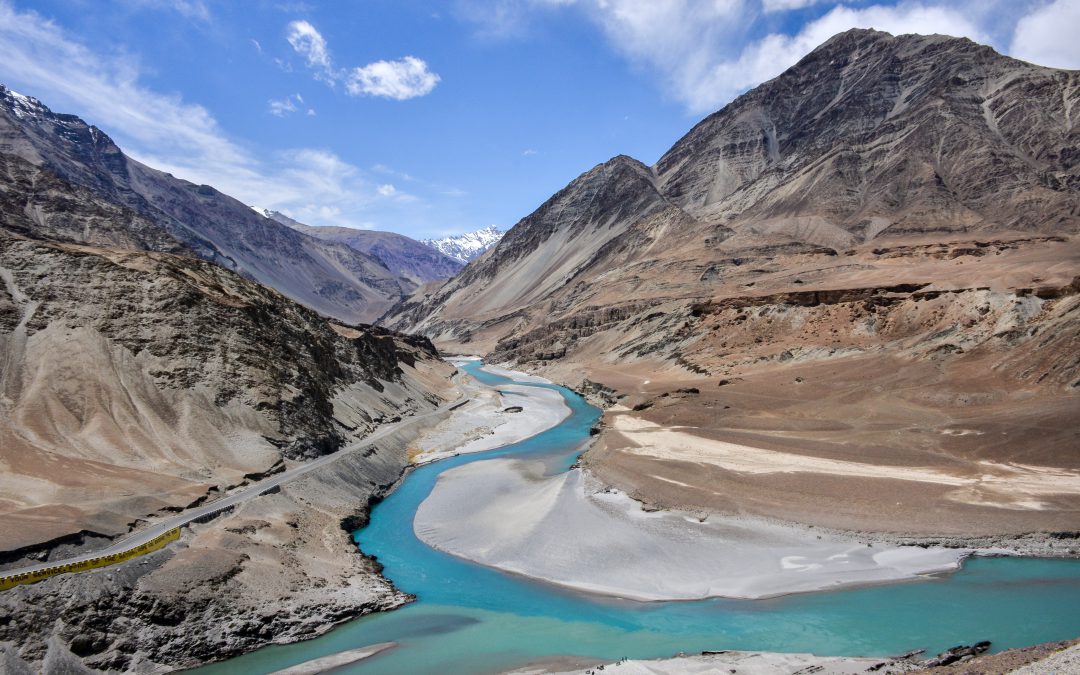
column 1051, row 658
column 494, row 417
column 278, row 568
column 477, row 619
column 571, row 530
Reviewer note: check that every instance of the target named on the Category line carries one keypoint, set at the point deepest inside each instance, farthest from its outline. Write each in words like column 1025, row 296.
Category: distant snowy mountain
column 468, row 246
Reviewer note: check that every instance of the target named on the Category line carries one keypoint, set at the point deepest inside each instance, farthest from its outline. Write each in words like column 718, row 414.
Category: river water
column 472, row 619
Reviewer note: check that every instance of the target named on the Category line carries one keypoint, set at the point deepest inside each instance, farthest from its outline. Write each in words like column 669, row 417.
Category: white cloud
column 399, row 80
column 167, row 133
column 769, row 6
column 390, row 171
column 288, row 105
column 528, row 152
column 282, row 107
column 309, row 43
column 1048, row 36
column 192, row 9
column 687, row 43
column 386, row 190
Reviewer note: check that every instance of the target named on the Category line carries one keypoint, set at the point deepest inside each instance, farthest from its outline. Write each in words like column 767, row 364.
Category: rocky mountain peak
column 937, row 103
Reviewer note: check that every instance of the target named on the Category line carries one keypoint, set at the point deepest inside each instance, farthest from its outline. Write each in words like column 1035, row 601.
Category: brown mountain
column 871, row 258
column 138, row 379
column 166, row 212
column 412, row 260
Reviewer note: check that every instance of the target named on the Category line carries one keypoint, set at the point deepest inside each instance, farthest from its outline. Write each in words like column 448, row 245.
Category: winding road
column 242, row 495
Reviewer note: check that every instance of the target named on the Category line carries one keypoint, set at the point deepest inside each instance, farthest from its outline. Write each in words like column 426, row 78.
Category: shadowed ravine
column 469, row 619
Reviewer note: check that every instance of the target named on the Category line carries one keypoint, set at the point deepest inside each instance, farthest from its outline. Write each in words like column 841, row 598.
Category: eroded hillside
column 871, row 259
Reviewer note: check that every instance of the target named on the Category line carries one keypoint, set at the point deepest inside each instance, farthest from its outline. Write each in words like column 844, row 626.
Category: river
column 472, row 619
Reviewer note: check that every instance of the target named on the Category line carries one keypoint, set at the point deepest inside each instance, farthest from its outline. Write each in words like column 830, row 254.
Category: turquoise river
column 472, row 619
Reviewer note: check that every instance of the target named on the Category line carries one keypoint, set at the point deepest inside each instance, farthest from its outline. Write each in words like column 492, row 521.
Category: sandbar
column 570, row 530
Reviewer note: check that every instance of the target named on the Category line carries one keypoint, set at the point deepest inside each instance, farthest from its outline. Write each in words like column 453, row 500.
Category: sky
column 437, row 118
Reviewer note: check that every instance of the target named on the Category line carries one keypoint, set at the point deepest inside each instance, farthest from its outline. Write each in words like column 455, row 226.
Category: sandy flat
column 1007, row 485
column 505, row 513
column 327, row 663
column 745, row 663
column 485, row 423
column 516, row 375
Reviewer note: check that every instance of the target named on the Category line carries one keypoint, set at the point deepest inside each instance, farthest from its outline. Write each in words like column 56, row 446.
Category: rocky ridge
column 416, row 262
column 870, row 258
column 331, row 278
column 136, row 384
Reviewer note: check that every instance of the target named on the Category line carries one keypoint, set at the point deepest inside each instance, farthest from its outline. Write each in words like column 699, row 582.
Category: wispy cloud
column 703, row 54
column 168, row 133
column 770, row 6
column 192, row 9
column 1047, row 36
column 284, row 107
column 310, row 44
column 400, row 80
column 390, row 171
column 687, row 43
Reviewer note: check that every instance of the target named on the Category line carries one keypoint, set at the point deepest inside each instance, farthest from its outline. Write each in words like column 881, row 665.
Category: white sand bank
column 516, row 375
column 745, row 663
column 327, row 663
column 506, row 514
column 1017, row 486
column 483, row 424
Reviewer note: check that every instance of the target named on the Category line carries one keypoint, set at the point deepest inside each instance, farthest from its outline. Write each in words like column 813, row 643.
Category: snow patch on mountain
column 468, row 246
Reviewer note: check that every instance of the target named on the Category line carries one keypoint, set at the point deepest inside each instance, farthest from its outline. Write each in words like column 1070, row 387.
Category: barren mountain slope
column 418, row 263
column 556, row 260
column 331, row 278
column 135, row 382
column 875, row 135
column 870, row 261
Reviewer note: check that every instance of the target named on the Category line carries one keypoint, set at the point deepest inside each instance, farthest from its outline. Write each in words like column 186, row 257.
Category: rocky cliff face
column 609, row 218
column 164, row 378
column 876, row 135
column 331, row 278
column 415, row 263
column 135, row 384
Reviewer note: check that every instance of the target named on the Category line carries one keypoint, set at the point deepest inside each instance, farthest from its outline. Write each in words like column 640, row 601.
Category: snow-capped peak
column 264, row 212
column 468, row 246
column 23, row 105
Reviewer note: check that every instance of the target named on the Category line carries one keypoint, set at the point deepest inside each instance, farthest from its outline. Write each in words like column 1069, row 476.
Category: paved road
column 242, row 495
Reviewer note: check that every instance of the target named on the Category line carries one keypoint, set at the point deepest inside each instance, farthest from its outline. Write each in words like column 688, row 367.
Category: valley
column 814, row 275
column 800, row 396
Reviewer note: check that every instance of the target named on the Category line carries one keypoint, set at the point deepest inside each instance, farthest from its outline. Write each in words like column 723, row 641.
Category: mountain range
column 170, row 214
column 160, row 345
column 414, row 261
column 870, row 242
column 849, row 299
column 469, row 246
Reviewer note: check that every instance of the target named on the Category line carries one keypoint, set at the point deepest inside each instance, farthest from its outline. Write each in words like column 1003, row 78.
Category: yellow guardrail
column 12, row 580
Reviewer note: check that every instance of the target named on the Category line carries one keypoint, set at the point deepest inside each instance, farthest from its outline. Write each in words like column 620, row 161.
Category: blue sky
column 432, row 118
